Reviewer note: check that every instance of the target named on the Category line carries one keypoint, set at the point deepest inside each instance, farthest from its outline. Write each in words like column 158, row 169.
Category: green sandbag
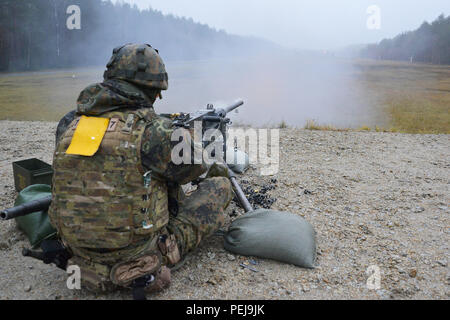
column 272, row 234
column 36, row 225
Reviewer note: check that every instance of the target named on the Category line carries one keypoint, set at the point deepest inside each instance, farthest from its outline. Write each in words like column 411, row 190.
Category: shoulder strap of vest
column 146, row 113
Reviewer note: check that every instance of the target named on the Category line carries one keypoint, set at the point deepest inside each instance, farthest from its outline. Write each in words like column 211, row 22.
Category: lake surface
column 290, row 88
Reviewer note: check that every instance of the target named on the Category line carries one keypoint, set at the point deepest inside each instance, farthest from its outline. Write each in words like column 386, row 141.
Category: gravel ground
column 374, row 199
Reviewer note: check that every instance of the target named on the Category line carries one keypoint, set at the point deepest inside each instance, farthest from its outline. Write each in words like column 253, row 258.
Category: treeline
column 42, row 34
column 429, row 44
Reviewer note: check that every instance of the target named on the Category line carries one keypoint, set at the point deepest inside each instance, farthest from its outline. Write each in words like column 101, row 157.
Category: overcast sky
column 312, row 24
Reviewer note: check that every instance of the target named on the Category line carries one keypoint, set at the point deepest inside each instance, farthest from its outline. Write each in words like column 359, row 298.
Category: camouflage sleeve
column 157, row 150
column 63, row 124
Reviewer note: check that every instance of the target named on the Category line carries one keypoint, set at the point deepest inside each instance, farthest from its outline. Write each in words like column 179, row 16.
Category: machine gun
column 211, row 114
column 211, row 118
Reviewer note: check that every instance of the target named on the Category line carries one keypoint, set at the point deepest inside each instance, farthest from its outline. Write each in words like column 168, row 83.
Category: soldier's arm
column 64, row 123
column 157, row 150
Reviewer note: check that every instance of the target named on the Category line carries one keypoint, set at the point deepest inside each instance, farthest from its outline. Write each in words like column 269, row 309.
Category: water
column 290, row 88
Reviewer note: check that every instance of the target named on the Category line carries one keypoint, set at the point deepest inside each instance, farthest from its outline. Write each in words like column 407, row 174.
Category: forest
column 46, row 34
column 428, row 44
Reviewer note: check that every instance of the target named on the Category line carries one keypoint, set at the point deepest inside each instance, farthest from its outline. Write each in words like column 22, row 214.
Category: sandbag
column 239, row 161
column 272, row 234
column 36, row 226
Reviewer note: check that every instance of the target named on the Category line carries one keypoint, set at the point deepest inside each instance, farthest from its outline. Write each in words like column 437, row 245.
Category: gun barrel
column 239, row 193
column 234, row 106
column 26, row 208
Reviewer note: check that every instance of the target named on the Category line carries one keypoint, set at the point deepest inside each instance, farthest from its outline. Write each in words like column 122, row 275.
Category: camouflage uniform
column 123, row 209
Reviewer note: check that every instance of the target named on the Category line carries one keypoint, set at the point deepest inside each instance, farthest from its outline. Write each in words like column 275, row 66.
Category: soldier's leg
column 201, row 213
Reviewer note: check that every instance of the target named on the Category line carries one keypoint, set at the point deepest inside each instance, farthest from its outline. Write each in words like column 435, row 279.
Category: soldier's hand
column 219, row 170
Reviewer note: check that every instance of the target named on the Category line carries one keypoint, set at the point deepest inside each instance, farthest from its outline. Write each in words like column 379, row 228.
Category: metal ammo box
column 31, row 171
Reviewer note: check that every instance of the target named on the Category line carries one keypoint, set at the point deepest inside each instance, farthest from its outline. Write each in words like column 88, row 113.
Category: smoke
column 204, row 65
column 276, row 86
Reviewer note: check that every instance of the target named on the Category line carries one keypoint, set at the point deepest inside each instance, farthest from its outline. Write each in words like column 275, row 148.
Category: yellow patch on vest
column 88, row 136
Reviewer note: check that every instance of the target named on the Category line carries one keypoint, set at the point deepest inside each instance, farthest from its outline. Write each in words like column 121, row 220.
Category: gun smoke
column 204, row 65
column 276, row 86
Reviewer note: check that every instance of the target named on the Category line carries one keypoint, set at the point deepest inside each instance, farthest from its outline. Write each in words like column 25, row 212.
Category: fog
column 286, row 83
column 275, row 87
column 278, row 71
column 305, row 24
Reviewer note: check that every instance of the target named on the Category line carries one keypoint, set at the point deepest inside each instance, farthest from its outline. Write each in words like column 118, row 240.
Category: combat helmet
column 139, row 64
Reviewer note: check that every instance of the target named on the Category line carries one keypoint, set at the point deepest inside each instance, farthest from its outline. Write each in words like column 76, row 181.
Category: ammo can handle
column 40, row 174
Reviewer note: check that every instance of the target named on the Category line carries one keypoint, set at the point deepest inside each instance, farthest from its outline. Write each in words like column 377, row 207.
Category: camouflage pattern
column 157, row 149
column 105, row 203
column 111, row 95
column 94, row 276
column 100, row 209
column 138, row 64
column 113, row 208
column 219, row 170
column 201, row 213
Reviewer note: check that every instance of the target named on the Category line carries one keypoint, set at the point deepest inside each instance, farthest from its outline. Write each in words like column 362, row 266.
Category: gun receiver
column 210, row 114
column 211, row 118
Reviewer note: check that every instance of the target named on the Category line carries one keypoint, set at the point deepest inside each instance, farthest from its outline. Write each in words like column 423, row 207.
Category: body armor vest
column 108, row 201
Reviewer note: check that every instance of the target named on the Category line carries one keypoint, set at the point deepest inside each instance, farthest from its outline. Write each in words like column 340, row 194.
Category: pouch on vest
column 123, row 274
column 36, row 226
column 275, row 235
column 168, row 246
